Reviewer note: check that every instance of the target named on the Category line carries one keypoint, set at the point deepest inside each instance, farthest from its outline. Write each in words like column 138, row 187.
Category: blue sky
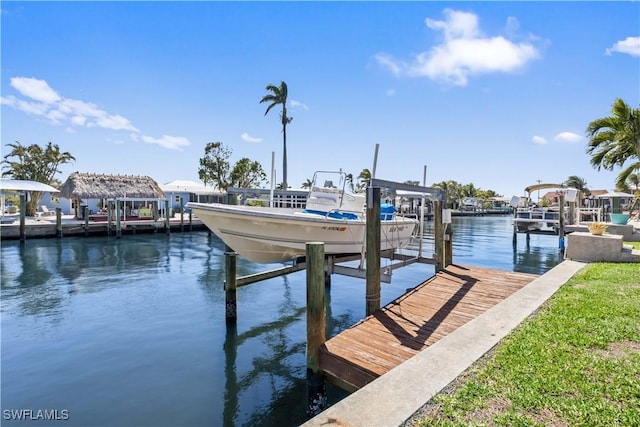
column 497, row 94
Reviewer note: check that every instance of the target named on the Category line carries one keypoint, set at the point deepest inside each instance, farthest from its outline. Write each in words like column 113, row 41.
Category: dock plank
column 414, row 321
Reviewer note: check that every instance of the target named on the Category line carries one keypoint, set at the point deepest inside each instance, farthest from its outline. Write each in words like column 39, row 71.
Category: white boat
column 332, row 216
column 531, row 217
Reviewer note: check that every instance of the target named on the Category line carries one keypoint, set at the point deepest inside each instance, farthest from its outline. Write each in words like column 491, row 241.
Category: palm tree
column 634, row 179
column 578, row 183
column 307, row 184
column 34, row 163
column 616, row 139
column 364, row 179
column 278, row 96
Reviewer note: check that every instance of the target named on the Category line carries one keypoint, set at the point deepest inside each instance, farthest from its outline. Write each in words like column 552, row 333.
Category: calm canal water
column 131, row 331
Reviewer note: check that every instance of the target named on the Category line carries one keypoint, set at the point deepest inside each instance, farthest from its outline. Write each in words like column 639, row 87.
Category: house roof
column 184, row 186
column 25, row 185
column 99, row 186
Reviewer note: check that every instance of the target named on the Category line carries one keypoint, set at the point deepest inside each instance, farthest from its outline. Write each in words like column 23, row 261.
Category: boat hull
column 275, row 235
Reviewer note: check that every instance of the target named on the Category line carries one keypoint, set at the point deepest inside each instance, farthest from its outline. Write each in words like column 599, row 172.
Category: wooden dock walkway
column 416, row 320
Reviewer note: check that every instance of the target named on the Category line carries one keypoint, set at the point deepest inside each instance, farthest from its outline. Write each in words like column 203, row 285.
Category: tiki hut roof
column 99, row 186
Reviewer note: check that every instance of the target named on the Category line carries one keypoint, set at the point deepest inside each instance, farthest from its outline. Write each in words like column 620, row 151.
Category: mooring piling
column 231, row 306
column 372, row 297
column 316, row 329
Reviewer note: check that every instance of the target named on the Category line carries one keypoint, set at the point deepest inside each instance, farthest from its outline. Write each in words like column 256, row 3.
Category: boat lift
column 399, row 260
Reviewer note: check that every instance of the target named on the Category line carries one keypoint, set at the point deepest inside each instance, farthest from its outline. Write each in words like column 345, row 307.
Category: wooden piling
column 59, row 223
column 372, row 297
column 316, row 332
column 448, row 245
column 109, row 217
column 231, row 310
column 118, row 226
column 438, row 238
column 85, row 215
column 23, row 213
column 561, row 222
column 167, row 223
column 181, row 216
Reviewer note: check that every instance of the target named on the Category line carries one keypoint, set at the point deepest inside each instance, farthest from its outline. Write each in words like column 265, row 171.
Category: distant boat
column 332, row 216
column 531, row 217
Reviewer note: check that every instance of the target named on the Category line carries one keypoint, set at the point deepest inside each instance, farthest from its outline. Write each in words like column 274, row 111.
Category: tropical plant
column 278, row 96
column 615, row 139
column 307, row 184
column 364, row 178
column 214, row 166
column 34, row 163
column 579, row 184
column 215, row 169
column 247, row 174
column 634, row 180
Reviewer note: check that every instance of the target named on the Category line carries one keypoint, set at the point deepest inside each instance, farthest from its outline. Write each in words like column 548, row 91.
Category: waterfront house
column 180, row 192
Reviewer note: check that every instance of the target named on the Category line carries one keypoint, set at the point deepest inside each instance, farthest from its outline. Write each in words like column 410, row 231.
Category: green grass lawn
column 574, row 363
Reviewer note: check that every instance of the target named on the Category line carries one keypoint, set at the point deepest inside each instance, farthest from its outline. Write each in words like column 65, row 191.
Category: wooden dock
column 416, row 320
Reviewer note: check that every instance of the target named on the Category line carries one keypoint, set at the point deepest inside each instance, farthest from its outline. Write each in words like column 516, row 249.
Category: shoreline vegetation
column 576, row 361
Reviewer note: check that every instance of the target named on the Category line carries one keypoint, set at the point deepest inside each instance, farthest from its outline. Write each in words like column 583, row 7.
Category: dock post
column 448, row 245
column 231, row 311
column 438, row 231
column 109, row 216
column 561, row 222
column 59, row 222
column 167, row 223
column 373, row 250
column 85, row 215
column 316, row 329
column 23, row 213
column 181, row 216
column 190, row 220
column 118, row 226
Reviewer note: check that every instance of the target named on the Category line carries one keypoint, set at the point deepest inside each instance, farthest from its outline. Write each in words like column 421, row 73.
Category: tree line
column 613, row 142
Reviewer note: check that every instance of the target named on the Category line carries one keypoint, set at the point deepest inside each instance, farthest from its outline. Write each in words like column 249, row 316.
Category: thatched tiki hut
column 118, row 188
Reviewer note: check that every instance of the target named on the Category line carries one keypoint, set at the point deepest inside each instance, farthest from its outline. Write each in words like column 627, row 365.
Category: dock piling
column 118, row 225
column 438, row 235
column 373, row 250
column 231, row 311
column 59, row 223
column 561, row 222
column 85, row 215
column 23, row 219
column 316, row 329
column 167, row 224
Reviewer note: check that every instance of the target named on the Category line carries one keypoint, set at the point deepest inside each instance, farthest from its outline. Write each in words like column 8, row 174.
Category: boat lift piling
column 231, row 306
column 316, row 327
column 372, row 296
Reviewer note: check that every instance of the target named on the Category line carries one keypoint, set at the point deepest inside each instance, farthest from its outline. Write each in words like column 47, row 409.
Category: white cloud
column 298, row 104
column 630, row 45
column 390, row 92
column 42, row 101
column 568, row 137
column 538, row 140
column 391, row 64
column 246, row 137
column 464, row 52
column 35, row 89
column 170, row 142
